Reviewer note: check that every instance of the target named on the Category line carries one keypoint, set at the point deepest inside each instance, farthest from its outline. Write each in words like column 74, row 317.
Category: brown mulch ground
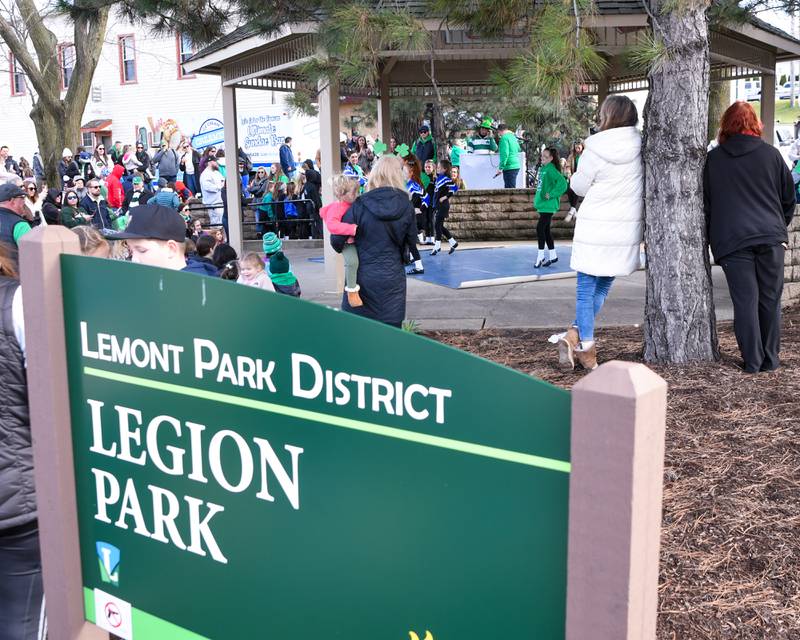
column 730, row 544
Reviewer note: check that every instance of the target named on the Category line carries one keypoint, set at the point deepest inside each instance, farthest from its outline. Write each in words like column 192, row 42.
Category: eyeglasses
column 31, row 188
column 94, row 186
column 72, row 197
column 138, row 146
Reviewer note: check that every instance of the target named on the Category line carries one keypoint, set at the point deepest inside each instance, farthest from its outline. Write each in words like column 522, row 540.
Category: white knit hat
column 66, row 152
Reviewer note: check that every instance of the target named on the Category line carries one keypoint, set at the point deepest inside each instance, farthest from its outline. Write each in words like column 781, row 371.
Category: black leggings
column 543, row 233
column 573, row 198
column 439, row 228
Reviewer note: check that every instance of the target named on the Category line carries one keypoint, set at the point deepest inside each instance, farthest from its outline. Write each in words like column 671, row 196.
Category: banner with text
column 249, row 465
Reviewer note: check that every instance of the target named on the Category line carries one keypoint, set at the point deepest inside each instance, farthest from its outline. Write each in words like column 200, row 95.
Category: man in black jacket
column 749, row 201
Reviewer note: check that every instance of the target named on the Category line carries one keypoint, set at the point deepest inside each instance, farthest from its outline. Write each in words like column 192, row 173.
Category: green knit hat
column 279, row 263
column 486, row 123
column 271, row 243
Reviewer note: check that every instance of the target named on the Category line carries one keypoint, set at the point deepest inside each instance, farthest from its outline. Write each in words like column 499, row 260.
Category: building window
column 66, row 60
column 17, row 76
column 185, row 51
column 87, row 138
column 127, row 59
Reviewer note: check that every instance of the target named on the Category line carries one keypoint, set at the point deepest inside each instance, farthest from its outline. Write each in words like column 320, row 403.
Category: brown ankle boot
column 566, row 349
column 353, row 299
column 587, row 358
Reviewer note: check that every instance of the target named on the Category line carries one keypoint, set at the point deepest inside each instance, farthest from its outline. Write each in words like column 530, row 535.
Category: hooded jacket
column 201, row 266
column 51, row 210
column 116, row 194
column 551, row 183
column 424, row 148
column 610, row 223
column 167, row 162
column 385, row 220
column 748, row 195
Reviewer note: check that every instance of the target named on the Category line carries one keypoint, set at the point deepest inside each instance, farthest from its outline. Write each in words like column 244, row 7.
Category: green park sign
column 216, row 461
column 252, row 465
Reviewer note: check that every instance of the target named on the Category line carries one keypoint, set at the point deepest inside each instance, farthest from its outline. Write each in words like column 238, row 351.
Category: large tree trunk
column 719, row 99
column 680, row 324
column 51, row 139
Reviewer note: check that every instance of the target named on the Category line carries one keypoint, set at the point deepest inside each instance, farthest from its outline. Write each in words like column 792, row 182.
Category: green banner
column 249, row 465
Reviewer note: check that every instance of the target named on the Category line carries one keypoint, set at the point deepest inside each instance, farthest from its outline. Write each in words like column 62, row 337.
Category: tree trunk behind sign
column 680, row 324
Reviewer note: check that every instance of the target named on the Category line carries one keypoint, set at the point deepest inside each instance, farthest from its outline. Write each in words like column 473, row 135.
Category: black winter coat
column 748, row 195
column 314, row 187
column 51, row 210
column 385, row 220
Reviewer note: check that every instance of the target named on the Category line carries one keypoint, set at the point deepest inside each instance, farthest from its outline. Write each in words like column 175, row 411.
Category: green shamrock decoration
column 402, row 150
column 379, row 148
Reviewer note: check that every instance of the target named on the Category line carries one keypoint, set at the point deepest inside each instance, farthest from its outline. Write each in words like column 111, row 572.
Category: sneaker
column 547, row 262
column 553, row 261
column 413, row 271
column 452, row 249
column 435, row 251
column 428, row 243
column 539, row 263
column 567, row 345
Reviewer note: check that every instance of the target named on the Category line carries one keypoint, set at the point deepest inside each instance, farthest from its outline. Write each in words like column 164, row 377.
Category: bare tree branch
column 26, row 61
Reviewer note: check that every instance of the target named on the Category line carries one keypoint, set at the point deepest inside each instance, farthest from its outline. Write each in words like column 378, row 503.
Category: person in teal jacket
column 509, row 156
column 551, row 185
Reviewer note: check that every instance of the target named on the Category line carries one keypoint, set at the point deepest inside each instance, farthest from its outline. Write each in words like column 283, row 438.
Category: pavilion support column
column 233, row 184
column 384, row 111
column 768, row 106
column 602, row 89
column 331, row 160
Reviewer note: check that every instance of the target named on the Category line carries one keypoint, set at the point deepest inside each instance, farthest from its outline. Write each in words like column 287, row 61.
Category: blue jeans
column 591, row 293
column 510, row 178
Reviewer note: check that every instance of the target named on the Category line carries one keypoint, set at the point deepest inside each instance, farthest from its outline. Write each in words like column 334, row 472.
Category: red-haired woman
column 749, row 202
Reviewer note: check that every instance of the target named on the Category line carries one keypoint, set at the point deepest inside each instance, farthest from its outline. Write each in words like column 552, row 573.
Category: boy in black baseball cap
column 156, row 236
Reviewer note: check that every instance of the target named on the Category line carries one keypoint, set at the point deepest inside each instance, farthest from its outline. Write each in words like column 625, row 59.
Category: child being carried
column 345, row 190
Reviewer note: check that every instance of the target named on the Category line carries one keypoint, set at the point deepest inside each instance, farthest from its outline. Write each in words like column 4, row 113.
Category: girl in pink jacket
column 345, row 190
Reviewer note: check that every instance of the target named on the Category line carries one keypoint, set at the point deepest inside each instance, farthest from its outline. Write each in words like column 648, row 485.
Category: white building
column 138, row 86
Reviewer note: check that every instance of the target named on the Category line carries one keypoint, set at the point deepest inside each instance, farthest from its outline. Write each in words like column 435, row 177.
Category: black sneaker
column 413, row 271
column 435, row 251
column 539, row 263
column 546, row 263
column 452, row 249
column 553, row 261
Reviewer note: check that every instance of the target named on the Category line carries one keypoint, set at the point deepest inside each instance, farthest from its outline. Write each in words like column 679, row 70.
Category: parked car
column 784, row 92
column 752, row 90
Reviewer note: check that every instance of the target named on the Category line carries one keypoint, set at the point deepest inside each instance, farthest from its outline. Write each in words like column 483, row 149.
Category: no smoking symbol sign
column 113, row 615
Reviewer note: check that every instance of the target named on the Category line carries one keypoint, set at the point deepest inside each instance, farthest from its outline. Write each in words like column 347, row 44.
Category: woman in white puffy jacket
column 610, row 222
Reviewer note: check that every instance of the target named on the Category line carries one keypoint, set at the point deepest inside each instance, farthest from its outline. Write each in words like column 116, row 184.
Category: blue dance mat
column 468, row 268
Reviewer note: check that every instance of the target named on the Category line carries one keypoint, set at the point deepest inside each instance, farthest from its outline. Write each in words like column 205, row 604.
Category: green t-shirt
column 455, row 156
column 20, row 229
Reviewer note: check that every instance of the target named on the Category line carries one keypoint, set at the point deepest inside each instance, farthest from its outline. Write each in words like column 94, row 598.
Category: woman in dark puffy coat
column 386, row 225
column 51, row 209
column 313, row 192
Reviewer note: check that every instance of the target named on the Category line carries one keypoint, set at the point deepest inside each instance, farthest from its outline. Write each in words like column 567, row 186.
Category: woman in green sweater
column 551, row 185
column 73, row 215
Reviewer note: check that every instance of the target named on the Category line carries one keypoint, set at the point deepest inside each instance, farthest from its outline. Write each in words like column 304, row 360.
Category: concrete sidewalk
column 545, row 304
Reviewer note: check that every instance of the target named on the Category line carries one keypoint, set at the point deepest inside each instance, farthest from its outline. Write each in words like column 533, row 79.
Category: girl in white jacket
column 609, row 227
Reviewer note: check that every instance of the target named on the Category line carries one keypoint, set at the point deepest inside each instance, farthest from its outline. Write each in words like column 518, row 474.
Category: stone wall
column 501, row 214
column 791, row 287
